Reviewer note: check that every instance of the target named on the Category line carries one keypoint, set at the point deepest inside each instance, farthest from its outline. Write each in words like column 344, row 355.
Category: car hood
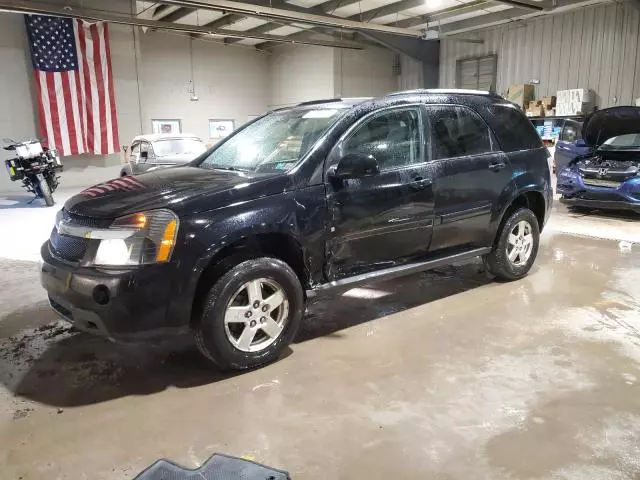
column 611, row 122
column 182, row 189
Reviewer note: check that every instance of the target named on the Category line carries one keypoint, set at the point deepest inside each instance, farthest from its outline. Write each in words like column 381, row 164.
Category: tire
column 46, row 192
column 498, row 262
column 215, row 337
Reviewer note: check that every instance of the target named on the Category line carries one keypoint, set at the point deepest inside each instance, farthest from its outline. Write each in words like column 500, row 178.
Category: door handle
column 496, row 166
column 419, row 183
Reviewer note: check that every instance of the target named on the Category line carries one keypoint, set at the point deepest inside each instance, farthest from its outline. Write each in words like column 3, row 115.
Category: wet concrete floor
column 441, row 375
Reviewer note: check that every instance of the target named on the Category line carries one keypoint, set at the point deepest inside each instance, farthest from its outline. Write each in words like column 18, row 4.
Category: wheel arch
column 532, row 199
column 279, row 245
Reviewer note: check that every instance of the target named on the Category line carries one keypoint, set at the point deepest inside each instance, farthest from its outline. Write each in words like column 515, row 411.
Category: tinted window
column 457, row 132
column 393, row 138
column 571, row 132
column 514, row 130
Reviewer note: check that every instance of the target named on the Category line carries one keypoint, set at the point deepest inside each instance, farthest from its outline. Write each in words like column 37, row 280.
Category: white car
column 160, row 150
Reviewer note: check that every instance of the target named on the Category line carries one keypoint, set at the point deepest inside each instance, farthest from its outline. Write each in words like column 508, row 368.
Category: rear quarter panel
column 531, row 173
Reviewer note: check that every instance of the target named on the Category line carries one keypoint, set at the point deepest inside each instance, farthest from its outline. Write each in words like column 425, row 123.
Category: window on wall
column 477, row 73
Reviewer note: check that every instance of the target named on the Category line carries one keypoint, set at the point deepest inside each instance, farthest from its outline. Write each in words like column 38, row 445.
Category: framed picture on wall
column 220, row 128
column 166, row 125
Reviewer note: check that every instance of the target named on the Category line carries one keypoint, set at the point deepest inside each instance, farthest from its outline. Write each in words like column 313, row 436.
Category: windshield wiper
column 224, row 167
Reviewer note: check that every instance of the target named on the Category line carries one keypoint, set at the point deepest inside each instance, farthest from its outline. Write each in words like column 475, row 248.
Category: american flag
column 74, row 84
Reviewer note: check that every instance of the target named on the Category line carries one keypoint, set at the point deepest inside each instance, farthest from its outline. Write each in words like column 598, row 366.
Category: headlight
column 141, row 238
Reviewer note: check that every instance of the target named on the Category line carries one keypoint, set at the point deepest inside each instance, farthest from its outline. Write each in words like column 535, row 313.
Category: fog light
column 101, row 295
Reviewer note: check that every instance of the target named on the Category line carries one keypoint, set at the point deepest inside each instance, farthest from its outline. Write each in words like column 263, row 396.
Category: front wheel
column 516, row 246
column 250, row 315
column 46, row 191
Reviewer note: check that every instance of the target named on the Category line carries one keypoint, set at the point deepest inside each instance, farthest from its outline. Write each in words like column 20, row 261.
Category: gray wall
column 594, row 47
column 231, row 82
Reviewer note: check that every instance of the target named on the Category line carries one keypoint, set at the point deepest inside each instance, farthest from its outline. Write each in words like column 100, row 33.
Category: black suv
column 326, row 194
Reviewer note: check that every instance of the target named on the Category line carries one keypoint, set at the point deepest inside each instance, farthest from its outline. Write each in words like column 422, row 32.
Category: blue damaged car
column 608, row 177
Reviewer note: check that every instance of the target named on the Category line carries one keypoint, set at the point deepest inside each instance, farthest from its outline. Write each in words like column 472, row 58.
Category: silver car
column 160, row 150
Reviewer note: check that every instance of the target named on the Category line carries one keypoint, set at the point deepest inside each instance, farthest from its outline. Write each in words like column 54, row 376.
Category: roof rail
column 315, row 102
column 457, row 91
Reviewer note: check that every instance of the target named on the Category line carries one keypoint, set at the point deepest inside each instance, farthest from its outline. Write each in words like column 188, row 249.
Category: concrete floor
column 442, row 375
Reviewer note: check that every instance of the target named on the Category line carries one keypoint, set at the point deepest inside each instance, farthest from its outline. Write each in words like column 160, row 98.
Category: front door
column 384, row 219
column 472, row 175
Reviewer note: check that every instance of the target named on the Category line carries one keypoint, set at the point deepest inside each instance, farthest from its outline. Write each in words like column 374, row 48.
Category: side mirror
column 356, row 165
column 581, row 143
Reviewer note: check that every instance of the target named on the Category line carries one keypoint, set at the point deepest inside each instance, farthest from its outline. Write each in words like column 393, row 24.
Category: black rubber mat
column 218, row 467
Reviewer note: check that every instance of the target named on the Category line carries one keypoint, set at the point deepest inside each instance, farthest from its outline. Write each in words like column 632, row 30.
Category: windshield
column 622, row 142
column 273, row 143
column 179, row 146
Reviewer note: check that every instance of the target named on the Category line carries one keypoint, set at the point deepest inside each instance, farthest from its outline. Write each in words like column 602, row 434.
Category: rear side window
column 514, row 130
column 457, row 132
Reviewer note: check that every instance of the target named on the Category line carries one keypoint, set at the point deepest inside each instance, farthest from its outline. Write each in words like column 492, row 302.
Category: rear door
column 471, row 175
column 381, row 220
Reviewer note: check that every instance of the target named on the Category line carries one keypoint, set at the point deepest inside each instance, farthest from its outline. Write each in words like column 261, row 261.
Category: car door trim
column 395, row 226
column 399, row 271
column 464, row 214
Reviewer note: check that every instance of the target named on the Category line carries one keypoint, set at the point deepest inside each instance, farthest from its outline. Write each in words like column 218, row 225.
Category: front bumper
column 600, row 204
column 122, row 305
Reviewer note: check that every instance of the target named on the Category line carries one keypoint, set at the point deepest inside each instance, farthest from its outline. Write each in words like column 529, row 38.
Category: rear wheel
column 46, row 191
column 516, row 246
column 250, row 315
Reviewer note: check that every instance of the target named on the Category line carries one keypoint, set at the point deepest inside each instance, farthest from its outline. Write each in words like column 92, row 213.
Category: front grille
column 66, row 247
column 596, row 182
column 84, row 221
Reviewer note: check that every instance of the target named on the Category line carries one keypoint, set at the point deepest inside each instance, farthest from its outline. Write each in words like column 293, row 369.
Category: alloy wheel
column 520, row 244
column 256, row 315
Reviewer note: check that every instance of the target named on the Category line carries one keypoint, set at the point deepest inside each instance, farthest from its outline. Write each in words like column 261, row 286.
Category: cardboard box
column 549, row 102
column 550, row 113
column 520, row 94
column 576, row 101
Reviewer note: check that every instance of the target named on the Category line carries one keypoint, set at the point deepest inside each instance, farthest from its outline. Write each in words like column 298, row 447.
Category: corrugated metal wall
column 594, row 47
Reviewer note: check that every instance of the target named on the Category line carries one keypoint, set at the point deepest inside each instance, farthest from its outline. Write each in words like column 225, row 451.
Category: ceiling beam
column 484, row 20
column 177, row 14
column 64, row 11
column 444, row 14
column 243, row 8
column 297, row 37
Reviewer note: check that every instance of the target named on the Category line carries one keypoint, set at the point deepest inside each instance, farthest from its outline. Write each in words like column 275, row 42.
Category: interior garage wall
column 364, row 73
column 230, row 82
column 595, row 47
column 298, row 73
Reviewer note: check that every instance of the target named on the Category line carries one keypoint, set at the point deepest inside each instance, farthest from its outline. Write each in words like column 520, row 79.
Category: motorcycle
column 36, row 166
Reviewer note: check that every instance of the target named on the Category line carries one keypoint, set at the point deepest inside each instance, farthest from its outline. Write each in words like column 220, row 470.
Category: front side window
column 393, row 138
column 571, row 132
column 134, row 155
column 457, row 132
column 145, row 152
column 275, row 142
